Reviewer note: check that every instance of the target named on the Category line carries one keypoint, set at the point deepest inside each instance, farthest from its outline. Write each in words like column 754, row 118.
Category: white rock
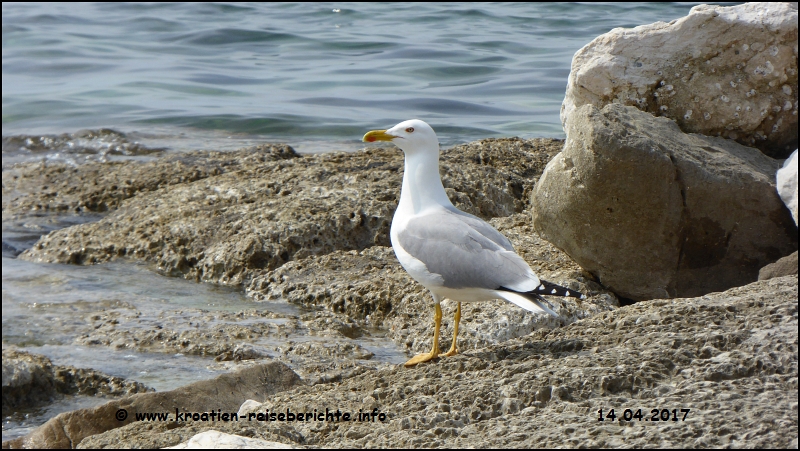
column 221, row 440
column 720, row 71
column 787, row 184
column 16, row 374
column 249, row 406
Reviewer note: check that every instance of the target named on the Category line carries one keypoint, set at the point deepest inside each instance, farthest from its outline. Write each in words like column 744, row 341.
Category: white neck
column 422, row 185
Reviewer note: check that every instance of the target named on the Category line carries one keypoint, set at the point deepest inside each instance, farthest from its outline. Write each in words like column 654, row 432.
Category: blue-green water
column 314, row 75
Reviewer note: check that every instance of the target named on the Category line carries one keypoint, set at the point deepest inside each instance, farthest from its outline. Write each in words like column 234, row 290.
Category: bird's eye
column 410, row 130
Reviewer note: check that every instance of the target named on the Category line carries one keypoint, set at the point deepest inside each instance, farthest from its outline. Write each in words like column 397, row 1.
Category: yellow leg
column 453, row 349
column 437, row 320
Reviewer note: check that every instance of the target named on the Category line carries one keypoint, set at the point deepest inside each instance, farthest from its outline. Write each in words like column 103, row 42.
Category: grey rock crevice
column 682, row 234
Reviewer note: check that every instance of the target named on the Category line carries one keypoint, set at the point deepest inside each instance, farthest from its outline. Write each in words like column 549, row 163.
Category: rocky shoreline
column 730, row 358
column 721, row 356
column 350, row 292
column 354, row 290
column 672, row 226
column 32, row 380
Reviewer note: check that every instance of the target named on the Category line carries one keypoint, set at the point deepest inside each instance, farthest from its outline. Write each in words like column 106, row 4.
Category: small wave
column 227, row 36
column 221, row 79
column 185, row 89
column 281, row 126
column 101, row 142
column 154, row 24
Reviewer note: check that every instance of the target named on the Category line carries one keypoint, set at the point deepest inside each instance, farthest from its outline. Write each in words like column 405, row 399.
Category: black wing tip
column 550, row 289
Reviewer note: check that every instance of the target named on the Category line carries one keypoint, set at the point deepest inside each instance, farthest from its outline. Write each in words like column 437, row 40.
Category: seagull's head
column 414, row 136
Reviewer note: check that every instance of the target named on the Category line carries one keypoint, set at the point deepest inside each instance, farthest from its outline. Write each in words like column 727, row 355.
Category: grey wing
column 464, row 250
column 484, row 228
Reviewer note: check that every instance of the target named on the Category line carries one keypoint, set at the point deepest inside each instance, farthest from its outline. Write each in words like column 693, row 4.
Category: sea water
column 214, row 75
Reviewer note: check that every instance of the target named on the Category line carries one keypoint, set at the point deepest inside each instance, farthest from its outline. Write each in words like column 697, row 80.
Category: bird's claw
column 422, row 358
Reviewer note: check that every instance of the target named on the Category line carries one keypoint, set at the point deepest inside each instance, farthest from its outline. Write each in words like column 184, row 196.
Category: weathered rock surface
column 226, row 393
column 222, row 225
column 730, row 358
column 31, row 380
column 491, row 178
column 784, row 267
column 787, row 184
column 720, row 71
column 350, row 294
column 186, row 331
column 372, row 289
column 317, row 344
column 653, row 212
column 59, row 187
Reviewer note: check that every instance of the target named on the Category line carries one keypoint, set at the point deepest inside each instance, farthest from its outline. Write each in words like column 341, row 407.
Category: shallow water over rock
column 109, row 318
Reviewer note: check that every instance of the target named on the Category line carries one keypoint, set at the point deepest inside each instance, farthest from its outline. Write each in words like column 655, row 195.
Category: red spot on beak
column 371, row 139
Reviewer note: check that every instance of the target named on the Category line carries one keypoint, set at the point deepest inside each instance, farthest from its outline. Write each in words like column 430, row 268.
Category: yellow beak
column 377, row 135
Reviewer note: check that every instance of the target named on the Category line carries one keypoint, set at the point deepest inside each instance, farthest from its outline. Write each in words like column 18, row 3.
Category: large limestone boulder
column 720, row 71
column 653, row 212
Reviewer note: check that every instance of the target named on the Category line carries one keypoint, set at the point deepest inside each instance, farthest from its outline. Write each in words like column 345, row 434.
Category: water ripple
column 298, row 71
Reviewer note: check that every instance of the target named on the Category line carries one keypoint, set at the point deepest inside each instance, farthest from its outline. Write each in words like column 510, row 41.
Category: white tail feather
column 531, row 305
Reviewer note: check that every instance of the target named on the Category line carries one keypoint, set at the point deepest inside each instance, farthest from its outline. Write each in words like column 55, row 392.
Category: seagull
column 455, row 255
